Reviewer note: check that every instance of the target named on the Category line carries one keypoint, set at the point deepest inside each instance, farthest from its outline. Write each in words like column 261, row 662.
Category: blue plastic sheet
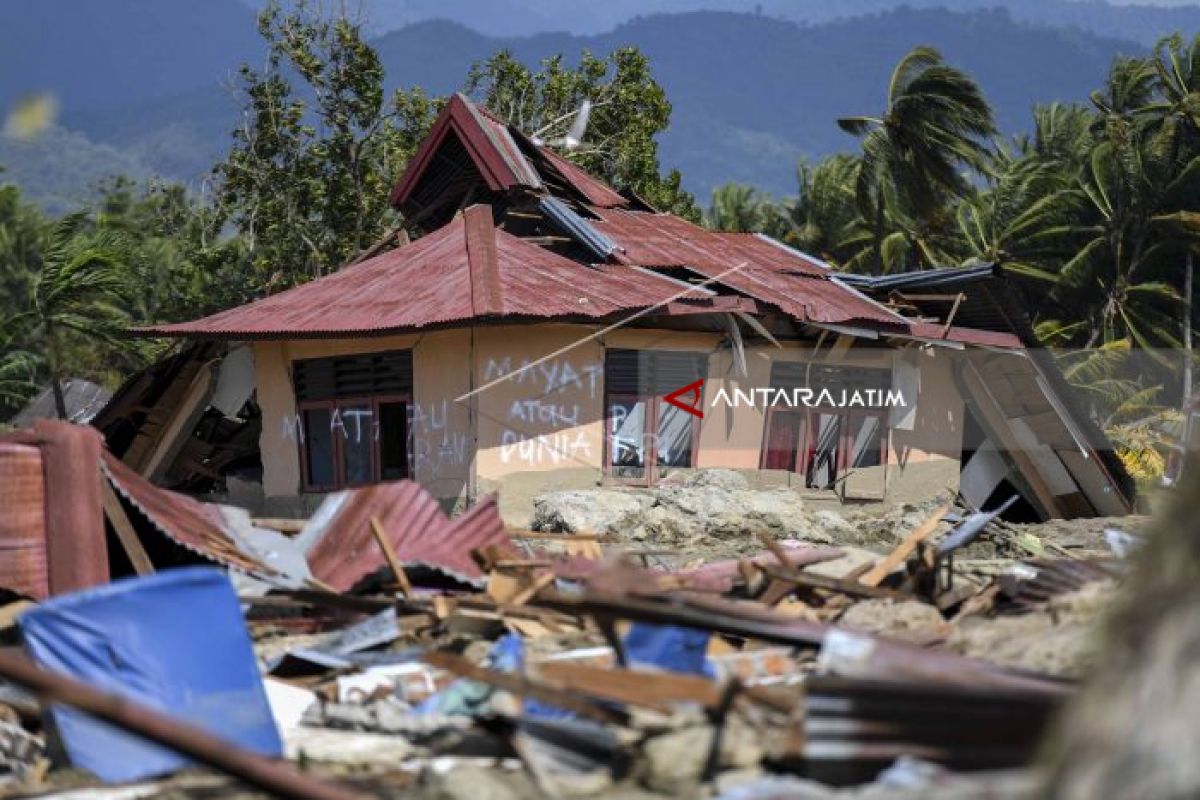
column 173, row 641
column 668, row 647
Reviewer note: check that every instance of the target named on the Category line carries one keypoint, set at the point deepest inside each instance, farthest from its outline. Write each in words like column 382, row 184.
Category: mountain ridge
column 751, row 93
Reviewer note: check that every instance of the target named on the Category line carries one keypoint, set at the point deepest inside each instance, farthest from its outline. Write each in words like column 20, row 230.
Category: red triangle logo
column 695, row 391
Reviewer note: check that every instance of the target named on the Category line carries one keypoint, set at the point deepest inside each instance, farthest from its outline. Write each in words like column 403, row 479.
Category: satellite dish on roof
column 574, row 136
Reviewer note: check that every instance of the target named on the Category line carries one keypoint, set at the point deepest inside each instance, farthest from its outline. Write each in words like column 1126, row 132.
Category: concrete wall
column 543, row 428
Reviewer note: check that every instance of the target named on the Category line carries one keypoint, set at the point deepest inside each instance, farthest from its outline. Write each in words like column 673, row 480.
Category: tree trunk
column 1187, row 361
column 60, row 401
column 879, row 230
column 1187, row 332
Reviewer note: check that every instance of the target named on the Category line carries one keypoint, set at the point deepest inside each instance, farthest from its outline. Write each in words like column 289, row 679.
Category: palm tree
column 936, row 123
column 79, row 292
column 1130, row 221
column 824, row 211
column 18, row 370
column 1001, row 224
column 738, row 207
column 1177, row 117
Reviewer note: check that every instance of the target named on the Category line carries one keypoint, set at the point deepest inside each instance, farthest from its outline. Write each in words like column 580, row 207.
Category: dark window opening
column 644, row 434
column 832, row 440
column 354, row 418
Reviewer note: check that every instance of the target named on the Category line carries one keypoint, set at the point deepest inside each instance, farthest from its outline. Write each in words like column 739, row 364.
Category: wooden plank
column 904, row 549
column 811, row 580
column 124, row 529
column 390, row 556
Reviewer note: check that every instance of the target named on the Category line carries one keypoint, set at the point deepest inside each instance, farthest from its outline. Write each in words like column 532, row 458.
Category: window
column 354, row 413
column 833, row 444
column 645, row 434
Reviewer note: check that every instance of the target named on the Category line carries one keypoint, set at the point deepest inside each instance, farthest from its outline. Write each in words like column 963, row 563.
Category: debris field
column 700, row 639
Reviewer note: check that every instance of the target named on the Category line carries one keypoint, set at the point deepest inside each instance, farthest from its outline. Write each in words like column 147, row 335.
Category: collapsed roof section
column 1019, row 395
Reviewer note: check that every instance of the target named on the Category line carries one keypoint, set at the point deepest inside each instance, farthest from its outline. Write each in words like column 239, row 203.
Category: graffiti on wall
column 532, row 429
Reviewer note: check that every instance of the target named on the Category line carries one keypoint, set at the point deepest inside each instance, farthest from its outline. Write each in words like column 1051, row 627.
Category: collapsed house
column 544, row 331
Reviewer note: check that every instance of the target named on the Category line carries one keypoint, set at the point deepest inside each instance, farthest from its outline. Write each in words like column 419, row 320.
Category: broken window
column 645, row 434
column 839, row 440
column 354, row 414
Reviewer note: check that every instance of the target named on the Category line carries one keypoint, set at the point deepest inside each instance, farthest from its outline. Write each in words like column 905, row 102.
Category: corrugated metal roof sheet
column 199, row 527
column 596, row 191
column 23, row 560
column 787, row 279
column 342, row 548
column 430, row 282
column 651, row 239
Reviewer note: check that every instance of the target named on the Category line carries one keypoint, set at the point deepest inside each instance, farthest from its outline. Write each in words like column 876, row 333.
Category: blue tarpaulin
column 173, row 641
column 668, row 647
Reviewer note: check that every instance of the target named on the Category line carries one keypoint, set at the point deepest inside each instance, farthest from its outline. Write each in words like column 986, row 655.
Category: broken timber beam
column 904, row 549
column 276, row 777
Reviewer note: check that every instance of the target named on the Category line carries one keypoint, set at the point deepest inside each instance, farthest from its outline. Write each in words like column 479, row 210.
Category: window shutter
column 835, row 378
column 649, row 373
column 353, row 376
column 621, row 370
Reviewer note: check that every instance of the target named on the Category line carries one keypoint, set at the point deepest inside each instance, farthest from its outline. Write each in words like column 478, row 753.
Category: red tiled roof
column 464, row 270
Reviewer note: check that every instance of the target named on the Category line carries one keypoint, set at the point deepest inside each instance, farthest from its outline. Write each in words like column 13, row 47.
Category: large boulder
column 590, row 510
column 705, row 507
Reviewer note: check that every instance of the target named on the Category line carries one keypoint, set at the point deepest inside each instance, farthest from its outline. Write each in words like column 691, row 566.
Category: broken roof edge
column 494, row 160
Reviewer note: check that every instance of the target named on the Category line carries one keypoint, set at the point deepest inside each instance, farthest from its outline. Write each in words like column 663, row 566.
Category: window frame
column 339, row 466
column 803, row 451
column 650, row 465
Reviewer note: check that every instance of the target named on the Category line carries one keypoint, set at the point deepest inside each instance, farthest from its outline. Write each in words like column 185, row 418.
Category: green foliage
column 629, row 109
column 308, row 176
column 744, row 209
column 935, row 124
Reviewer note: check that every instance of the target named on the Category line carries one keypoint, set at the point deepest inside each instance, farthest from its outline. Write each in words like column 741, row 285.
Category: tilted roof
column 467, row 269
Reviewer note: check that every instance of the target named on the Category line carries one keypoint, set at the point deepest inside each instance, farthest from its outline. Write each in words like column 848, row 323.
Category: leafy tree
column 79, row 292
column 935, row 124
column 308, row 177
column 824, row 210
column 742, row 208
column 628, row 110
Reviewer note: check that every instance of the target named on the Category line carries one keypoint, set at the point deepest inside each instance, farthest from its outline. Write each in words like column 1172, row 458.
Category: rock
column 717, row 478
column 474, row 782
column 590, row 510
column 909, row 620
column 1062, row 640
column 674, row 760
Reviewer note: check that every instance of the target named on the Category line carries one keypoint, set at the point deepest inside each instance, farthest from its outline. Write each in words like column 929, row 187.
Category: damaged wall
column 544, row 429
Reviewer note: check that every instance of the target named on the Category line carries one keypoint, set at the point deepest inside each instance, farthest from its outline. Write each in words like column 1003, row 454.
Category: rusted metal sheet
column 597, row 193
column 495, row 154
column 650, row 239
column 199, row 527
column 76, row 549
column 430, row 282
column 342, row 550
column 975, row 336
column 23, row 567
column 1027, row 585
column 789, row 280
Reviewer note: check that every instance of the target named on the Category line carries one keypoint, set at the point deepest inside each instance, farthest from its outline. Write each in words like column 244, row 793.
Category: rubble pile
column 384, row 649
